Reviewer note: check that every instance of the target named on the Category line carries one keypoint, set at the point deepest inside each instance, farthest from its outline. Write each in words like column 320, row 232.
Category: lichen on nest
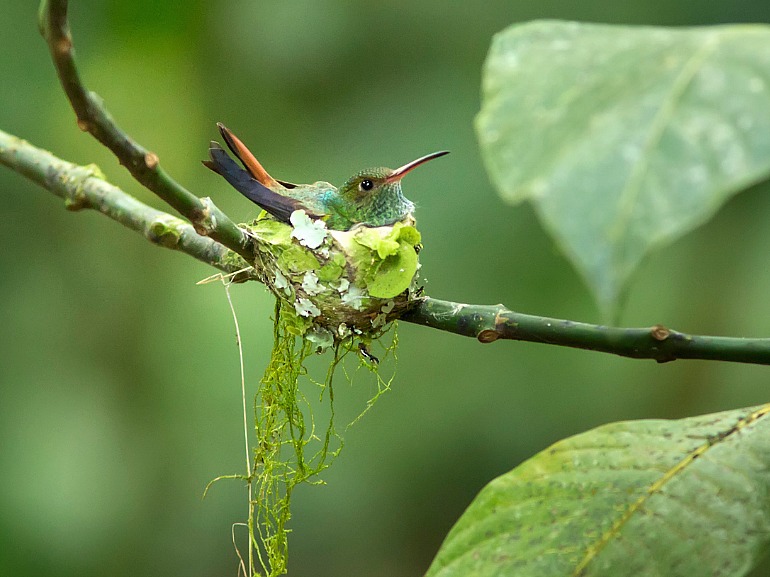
column 341, row 284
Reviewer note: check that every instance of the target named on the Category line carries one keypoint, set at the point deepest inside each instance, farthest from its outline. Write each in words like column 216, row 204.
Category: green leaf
column 333, row 269
column 385, row 258
column 408, row 234
column 394, row 274
column 383, row 240
column 624, row 138
column 642, row 498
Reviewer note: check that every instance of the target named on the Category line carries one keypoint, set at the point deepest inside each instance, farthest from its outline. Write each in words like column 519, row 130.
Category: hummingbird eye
column 366, row 185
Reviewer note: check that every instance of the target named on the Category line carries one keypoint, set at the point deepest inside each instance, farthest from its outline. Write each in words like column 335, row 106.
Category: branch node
column 63, row 45
column 203, row 219
column 660, row 333
column 488, row 336
column 74, row 182
column 164, row 231
column 151, row 160
column 83, row 124
column 76, row 201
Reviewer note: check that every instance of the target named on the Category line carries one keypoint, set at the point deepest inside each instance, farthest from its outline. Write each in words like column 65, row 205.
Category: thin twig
column 143, row 165
column 249, row 472
column 493, row 322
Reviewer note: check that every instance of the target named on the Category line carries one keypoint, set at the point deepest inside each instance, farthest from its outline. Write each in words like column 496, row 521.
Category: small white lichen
column 343, row 330
column 321, row 337
column 388, row 306
column 341, row 284
column 353, row 297
column 306, row 308
column 310, row 233
column 280, row 281
column 311, row 285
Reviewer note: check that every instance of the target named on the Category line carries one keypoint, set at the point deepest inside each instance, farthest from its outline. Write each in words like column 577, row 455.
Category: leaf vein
column 630, row 193
column 594, row 550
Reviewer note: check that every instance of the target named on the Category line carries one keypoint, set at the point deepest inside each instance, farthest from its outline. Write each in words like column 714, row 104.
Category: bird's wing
column 276, row 204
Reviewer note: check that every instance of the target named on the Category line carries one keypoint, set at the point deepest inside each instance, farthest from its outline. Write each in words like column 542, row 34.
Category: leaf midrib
column 594, row 550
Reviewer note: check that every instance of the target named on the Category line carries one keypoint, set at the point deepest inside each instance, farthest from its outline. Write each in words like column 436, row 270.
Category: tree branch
column 143, row 165
column 84, row 187
column 490, row 323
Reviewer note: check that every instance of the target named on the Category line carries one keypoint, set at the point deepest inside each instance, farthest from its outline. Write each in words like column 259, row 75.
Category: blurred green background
column 119, row 387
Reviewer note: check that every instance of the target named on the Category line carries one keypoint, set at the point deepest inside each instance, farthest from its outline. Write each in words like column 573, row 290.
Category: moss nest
column 338, row 283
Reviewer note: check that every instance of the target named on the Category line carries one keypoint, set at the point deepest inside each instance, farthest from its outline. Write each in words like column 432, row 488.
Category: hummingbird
column 371, row 197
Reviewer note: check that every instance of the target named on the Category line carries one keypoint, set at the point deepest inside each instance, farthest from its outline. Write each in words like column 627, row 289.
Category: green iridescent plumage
column 372, row 197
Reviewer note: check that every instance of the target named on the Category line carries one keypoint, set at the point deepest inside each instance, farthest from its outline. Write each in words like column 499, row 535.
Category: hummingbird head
column 375, row 193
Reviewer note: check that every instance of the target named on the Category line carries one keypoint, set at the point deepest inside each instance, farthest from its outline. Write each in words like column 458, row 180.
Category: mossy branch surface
column 84, row 187
column 143, row 164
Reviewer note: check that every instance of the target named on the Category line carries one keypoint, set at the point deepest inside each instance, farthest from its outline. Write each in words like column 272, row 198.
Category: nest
column 338, row 283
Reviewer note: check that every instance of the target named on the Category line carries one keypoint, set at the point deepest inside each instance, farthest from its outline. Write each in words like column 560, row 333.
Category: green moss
column 292, row 447
column 296, row 259
column 387, row 244
column 371, row 238
column 280, row 422
column 233, row 260
column 333, row 269
column 271, row 231
column 336, row 297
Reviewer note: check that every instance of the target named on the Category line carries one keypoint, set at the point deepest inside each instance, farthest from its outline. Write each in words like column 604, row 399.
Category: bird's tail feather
column 276, row 204
column 249, row 161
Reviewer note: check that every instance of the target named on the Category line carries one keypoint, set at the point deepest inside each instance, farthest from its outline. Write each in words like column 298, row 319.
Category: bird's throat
column 388, row 207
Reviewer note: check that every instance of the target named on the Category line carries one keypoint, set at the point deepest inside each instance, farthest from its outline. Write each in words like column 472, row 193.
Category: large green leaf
column 641, row 498
column 624, row 138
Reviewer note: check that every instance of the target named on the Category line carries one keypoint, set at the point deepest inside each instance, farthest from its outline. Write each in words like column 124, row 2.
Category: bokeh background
column 119, row 387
